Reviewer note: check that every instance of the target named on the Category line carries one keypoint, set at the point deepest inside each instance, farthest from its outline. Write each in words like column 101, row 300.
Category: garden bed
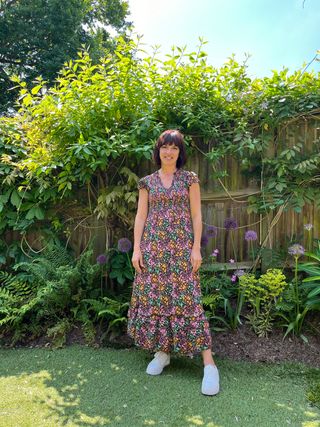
column 240, row 344
column 244, row 344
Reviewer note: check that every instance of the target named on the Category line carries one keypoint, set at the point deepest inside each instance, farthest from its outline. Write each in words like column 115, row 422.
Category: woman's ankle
column 207, row 357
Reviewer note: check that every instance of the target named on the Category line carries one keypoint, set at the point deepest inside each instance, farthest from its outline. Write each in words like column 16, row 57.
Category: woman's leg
column 207, row 357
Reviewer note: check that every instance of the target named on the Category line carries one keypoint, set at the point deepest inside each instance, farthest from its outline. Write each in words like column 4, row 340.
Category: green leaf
column 15, row 198
column 31, row 213
column 39, row 213
column 36, row 89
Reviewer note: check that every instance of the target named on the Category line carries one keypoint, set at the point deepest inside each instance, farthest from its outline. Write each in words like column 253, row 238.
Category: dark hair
column 171, row 137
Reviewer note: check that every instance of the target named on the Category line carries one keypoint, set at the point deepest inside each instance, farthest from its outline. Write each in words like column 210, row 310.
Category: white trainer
column 160, row 360
column 210, row 382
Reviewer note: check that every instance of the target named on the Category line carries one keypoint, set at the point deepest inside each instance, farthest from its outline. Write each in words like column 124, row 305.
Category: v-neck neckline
column 172, row 182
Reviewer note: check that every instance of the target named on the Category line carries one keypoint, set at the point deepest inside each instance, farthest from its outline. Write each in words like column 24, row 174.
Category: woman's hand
column 196, row 259
column 137, row 260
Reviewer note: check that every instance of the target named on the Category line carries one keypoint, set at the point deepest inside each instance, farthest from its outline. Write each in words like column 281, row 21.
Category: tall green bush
column 83, row 139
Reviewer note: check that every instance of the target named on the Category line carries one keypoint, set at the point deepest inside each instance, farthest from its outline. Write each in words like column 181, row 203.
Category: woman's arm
column 139, row 223
column 195, row 207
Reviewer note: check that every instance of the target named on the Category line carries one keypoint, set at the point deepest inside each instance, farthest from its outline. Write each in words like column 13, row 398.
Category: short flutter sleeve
column 143, row 183
column 192, row 178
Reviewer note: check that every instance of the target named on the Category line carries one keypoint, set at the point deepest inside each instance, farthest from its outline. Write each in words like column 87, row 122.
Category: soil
column 240, row 344
column 244, row 344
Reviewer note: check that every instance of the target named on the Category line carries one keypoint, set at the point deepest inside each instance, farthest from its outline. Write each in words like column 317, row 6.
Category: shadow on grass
column 79, row 386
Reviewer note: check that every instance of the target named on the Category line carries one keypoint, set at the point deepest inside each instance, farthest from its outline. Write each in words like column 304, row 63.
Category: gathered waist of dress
column 177, row 211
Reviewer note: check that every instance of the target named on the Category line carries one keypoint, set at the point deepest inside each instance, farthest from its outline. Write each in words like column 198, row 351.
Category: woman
column 165, row 313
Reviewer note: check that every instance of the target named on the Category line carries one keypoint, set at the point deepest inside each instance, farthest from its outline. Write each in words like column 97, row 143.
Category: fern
column 88, row 271
column 14, row 294
column 81, row 314
column 58, row 333
column 106, row 307
column 40, row 269
column 7, row 297
column 57, row 255
column 111, row 310
column 6, row 278
column 210, row 300
column 53, row 290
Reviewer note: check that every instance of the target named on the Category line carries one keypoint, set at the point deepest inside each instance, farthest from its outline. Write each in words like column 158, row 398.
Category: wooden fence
column 227, row 198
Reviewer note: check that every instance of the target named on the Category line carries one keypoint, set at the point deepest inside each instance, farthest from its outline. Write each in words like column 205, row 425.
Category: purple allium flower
column 230, row 223
column 124, row 245
column 101, row 259
column 296, row 250
column 216, row 251
column 212, row 231
column 308, row 227
column 214, row 254
column 239, row 273
column 231, row 261
column 204, row 240
column 233, row 278
column 250, row 235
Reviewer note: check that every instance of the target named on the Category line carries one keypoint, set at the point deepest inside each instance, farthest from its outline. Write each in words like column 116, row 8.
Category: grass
column 79, row 386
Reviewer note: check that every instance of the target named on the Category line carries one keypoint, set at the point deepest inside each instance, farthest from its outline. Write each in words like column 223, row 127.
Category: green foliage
column 38, row 37
column 53, row 292
column 313, row 394
column 110, row 309
column 119, row 199
column 211, row 303
column 292, row 308
column 301, row 297
column 120, row 267
column 15, row 192
column 261, row 293
column 267, row 287
column 44, row 291
column 223, row 298
column 58, row 333
column 272, row 258
column 296, row 299
column 81, row 139
column 312, row 283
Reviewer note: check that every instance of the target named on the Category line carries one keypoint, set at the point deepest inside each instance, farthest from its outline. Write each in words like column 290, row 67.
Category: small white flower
column 308, row 227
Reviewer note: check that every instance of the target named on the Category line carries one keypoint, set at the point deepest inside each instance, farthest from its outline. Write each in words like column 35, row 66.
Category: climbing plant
column 82, row 140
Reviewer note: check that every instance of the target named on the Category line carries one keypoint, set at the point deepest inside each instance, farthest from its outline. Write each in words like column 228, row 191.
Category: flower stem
column 130, row 264
column 252, row 250
column 296, row 285
column 233, row 248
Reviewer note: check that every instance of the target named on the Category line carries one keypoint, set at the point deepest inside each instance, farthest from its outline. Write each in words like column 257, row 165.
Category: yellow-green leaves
column 268, row 286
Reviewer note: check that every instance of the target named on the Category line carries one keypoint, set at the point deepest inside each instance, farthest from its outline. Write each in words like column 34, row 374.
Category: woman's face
column 169, row 154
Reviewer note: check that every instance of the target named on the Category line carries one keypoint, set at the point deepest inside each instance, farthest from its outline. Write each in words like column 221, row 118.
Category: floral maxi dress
column 165, row 311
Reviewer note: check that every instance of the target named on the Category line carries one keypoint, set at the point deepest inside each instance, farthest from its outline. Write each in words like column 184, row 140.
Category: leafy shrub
column 44, row 291
column 100, row 120
column 261, row 293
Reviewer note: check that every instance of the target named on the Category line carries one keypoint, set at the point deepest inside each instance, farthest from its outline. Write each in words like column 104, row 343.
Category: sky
column 276, row 33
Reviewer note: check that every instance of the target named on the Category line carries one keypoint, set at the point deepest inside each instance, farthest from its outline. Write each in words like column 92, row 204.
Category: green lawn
column 80, row 386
